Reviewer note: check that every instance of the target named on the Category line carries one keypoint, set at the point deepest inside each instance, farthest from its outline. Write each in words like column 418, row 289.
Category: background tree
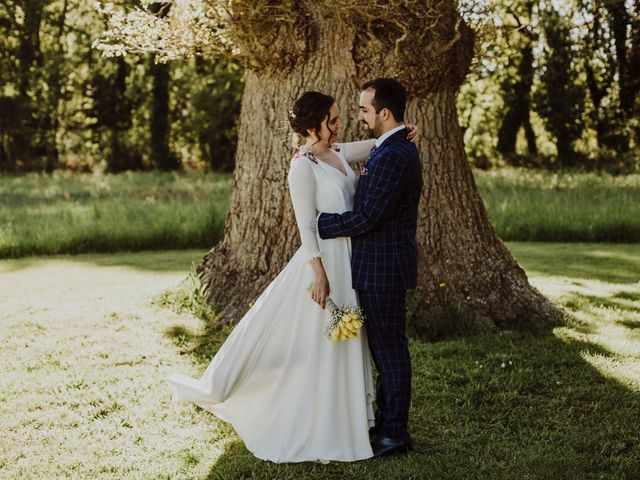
column 65, row 106
column 161, row 153
column 113, row 111
column 467, row 277
column 561, row 97
column 517, row 86
column 59, row 121
column 206, row 96
column 606, row 137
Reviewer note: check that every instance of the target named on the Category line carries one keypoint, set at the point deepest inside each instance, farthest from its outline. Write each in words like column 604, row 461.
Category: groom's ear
column 385, row 114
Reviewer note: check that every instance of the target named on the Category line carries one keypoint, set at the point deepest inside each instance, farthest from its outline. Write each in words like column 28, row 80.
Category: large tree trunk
column 467, row 279
column 458, row 247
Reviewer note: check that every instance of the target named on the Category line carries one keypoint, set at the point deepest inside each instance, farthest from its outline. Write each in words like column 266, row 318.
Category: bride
column 291, row 394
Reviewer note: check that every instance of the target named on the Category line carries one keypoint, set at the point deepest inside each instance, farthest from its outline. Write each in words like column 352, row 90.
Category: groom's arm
column 384, row 192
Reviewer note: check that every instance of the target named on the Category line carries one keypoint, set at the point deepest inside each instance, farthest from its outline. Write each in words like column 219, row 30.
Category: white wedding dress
column 291, row 394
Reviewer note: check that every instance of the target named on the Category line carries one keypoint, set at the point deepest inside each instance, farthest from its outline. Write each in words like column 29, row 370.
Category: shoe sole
column 396, row 451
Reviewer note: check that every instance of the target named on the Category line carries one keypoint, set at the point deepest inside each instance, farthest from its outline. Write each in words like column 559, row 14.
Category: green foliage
column 586, row 109
column 206, row 97
column 560, row 98
column 189, row 296
column 63, row 105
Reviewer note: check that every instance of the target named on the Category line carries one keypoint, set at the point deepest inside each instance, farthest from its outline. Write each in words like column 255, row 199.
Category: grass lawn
column 85, row 353
column 538, row 205
column 73, row 213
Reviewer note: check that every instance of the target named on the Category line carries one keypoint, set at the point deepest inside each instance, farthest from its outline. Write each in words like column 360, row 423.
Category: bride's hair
column 308, row 111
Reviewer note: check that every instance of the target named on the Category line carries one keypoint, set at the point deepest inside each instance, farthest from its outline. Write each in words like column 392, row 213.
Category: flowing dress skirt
column 291, row 394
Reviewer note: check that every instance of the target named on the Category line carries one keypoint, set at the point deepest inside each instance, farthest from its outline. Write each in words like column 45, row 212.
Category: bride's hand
column 320, row 290
column 414, row 135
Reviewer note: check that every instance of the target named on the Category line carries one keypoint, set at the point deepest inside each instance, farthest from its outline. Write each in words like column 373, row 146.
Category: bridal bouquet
column 344, row 321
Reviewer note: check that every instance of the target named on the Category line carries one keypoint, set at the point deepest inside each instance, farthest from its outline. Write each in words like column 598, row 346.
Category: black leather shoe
column 373, row 431
column 383, row 446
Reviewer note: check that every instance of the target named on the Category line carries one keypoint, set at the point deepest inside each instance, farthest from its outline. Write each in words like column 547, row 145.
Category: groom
column 384, row 254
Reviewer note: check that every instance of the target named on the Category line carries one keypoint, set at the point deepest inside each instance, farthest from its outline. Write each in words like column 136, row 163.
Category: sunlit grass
column 73, row 213
column 84, row 357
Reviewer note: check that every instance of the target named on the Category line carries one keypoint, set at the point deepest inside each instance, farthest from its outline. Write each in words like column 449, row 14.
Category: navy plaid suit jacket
column 383, row 223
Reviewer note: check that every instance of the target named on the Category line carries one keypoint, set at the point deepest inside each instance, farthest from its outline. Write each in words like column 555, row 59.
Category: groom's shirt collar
column 386, row 135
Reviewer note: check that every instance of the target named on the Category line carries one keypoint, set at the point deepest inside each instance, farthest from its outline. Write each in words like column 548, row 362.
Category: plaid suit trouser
column 385, row 323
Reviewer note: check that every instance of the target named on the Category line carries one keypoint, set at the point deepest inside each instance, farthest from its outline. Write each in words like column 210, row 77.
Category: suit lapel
column 370, row 163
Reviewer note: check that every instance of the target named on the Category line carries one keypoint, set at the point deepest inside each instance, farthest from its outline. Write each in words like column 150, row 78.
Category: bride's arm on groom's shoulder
column 302, row 187
column 356, row 151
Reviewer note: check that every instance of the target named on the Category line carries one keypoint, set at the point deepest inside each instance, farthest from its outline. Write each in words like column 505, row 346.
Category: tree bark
column 457, row 245
column 468, row 279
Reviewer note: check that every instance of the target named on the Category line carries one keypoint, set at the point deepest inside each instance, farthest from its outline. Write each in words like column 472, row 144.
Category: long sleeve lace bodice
column 302, row 187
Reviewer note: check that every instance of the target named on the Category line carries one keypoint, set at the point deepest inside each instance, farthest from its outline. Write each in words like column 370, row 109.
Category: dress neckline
column 345, row 174
column 316, row 160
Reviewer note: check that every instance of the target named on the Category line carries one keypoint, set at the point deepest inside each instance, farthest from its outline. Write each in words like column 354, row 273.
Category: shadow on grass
column 557, row 404
column 577, row 301
column 507, row 406
column 511, row 405
column 155, row 261
column 201, row 347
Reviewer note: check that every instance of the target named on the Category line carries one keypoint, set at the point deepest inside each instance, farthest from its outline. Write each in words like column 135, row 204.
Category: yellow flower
column 345, row 318
column 354, row 317
column 442, row 285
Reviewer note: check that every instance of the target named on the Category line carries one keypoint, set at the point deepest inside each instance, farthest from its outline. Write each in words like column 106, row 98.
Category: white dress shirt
column 386, row 135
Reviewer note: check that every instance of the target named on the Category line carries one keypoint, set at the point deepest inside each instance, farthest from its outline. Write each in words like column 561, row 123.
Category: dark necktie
column 371, row 152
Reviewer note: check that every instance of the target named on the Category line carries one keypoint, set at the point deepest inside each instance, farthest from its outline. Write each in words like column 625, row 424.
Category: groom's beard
column 371, row 132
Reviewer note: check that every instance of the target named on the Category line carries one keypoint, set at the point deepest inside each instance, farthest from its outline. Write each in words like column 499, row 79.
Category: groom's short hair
column 389, row 93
